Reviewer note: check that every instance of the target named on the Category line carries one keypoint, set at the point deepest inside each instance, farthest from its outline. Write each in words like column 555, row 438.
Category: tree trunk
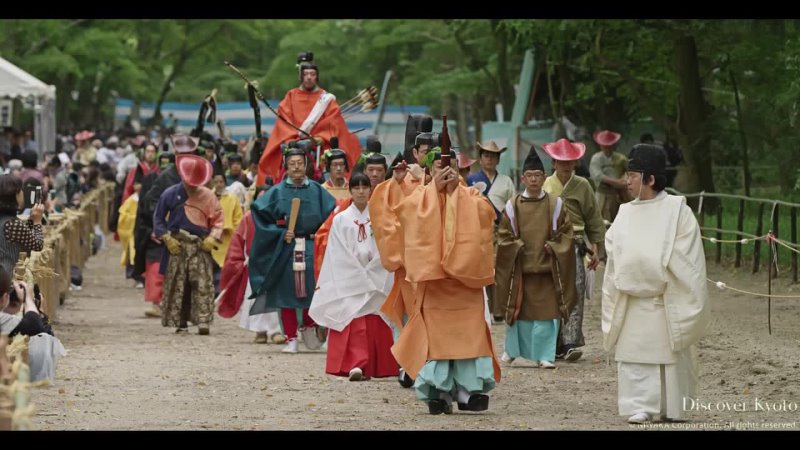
column 462, row 123
column 740, row 121
column 505, row 85
column 692, row 129
column 477, row 120
column 157, row 116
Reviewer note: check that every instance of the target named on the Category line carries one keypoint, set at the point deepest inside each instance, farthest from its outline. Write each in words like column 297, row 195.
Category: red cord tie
column 362, row 230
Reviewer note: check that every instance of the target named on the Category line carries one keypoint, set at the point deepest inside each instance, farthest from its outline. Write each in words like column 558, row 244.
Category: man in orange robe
column 441, row 234
column 313, row 110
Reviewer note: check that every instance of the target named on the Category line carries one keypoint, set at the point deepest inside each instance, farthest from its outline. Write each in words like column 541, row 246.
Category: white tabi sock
column 462, row 395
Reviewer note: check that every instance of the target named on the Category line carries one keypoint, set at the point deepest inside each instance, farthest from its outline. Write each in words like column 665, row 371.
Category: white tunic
column 655, row 255
column 655, row 303
column 352, row 282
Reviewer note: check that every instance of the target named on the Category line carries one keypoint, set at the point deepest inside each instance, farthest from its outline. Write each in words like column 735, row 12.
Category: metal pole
column 382, row 101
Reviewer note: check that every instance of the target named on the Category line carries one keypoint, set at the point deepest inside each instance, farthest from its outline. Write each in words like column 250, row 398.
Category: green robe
column 271, row 258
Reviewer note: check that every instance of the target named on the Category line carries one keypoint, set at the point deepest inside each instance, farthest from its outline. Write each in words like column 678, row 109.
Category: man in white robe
column 655, row 301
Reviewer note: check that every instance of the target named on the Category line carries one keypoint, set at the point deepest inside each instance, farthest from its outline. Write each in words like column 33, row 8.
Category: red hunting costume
column 313, row 110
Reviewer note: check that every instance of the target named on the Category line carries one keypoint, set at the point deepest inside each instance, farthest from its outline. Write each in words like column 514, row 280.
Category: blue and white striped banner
column 240, row 124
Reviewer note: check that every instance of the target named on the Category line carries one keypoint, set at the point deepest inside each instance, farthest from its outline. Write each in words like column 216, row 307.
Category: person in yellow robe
column 441, row 233
column 125, row 227
column 232, row 211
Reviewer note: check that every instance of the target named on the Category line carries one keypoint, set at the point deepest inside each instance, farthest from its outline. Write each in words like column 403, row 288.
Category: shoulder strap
column 555, row 204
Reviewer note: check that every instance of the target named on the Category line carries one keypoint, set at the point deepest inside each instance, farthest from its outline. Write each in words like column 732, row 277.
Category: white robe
column 352, row 281
column 655, row 303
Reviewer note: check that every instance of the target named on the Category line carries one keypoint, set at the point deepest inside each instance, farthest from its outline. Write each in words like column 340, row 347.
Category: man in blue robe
column 282, row 260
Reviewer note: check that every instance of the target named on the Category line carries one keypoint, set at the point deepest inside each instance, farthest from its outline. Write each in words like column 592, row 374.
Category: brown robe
column 531, row 283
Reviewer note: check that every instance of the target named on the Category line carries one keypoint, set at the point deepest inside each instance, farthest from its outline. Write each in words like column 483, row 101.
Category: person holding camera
column 312, row 110
column 17, row 235
column 44, row 348
column 17, row 297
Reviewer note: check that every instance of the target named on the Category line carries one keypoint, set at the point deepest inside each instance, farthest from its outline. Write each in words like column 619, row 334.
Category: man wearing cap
column 441, row 235
column 336, row 165
column 314, row 111
column 235, row 172
column 655, row 302
column 588, row 231
column 207, row 147
column 375, row 163
column 147, row 261
column 282, row 258
column 419, row 139
column 535, row 270
column 189, row 220
column 607, row 169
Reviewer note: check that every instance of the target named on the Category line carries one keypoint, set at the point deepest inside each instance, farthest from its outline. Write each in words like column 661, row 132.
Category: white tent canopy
column 16, row 83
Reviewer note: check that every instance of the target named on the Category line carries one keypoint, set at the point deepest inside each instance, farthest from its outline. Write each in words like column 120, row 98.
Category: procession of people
column 401, row 269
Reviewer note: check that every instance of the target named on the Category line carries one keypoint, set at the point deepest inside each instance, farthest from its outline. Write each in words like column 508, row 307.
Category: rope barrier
column 723, row 285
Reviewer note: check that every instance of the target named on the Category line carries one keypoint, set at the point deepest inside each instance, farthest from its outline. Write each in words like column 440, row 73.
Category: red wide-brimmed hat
column 464, row 161
column 183, row 143
column 84, row 135
column 606, row 138
column 564, row 150
column 194, row 170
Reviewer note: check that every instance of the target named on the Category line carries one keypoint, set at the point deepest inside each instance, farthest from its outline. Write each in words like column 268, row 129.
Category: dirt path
column 125, row 372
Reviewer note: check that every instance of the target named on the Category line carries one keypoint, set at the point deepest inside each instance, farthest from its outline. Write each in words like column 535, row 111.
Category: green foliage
column 599, row 73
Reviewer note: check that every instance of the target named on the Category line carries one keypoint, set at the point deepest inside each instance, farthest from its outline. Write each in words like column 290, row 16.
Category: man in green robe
column 588, row 232
column 282, row 260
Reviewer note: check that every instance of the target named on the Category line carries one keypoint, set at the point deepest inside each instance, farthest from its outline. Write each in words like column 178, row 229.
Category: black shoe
column 406, row 381
column 477, row 402
column 573, row 354
column 439, row 406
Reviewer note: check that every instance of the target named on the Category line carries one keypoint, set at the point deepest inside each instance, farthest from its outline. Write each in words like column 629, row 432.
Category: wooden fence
column 757, row 236
column 67, row 243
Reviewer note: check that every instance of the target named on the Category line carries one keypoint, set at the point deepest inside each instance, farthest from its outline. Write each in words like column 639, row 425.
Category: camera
column 32, row 195
column 305, row 57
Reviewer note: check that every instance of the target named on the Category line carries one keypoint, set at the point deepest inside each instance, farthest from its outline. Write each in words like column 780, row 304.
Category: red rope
column 362, row 230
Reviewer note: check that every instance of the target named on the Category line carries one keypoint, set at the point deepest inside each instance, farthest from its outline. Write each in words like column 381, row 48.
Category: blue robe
column 481, row 176
column 171, row 203
column 271, row 257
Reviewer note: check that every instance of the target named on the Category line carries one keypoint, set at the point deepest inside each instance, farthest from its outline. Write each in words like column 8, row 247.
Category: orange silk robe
column 295, row 107
column 444, row 243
